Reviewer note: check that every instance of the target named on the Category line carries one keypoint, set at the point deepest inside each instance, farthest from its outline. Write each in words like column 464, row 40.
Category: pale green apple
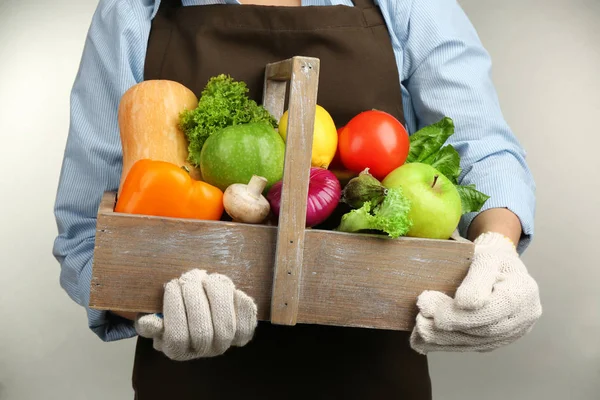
column 435, row 203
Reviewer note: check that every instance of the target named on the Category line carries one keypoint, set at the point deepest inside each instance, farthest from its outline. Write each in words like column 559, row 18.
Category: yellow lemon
column 325, row 137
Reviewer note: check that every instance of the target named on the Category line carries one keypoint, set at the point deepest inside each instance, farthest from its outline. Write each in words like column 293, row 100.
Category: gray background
column 546, row 62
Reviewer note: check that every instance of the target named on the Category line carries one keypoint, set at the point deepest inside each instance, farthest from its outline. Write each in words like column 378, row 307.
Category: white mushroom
column 245, row 203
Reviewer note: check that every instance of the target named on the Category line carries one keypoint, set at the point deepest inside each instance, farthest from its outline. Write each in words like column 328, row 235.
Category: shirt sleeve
column 447, row 72
column 112, row 62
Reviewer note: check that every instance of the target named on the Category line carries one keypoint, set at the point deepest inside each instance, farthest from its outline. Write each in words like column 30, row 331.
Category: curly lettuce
column 390, row 216
column 223, row 102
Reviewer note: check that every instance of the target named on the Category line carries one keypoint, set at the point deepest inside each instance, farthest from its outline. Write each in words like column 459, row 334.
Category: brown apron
column 358, row 72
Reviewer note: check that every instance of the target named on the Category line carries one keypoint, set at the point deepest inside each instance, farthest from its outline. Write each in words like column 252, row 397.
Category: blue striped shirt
column 443, row 68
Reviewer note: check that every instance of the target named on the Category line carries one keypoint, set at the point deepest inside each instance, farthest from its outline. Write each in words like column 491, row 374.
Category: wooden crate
column 296, row 275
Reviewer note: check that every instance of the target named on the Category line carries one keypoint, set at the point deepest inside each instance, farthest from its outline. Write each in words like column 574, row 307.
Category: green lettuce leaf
column 426, row 142
column 472, row 200
column 391, row 216
column 447, row 161
column 223, row 102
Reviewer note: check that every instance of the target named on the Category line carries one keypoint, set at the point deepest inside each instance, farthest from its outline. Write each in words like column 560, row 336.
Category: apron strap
column 170, row 4
column 167, row 7
column 364, row 4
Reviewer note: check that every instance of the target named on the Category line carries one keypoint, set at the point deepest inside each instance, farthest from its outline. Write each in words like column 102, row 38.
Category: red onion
column 324, row 193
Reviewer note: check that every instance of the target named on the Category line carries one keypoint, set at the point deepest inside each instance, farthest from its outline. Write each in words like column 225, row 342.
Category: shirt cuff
column 508, row 187
column 110, row 327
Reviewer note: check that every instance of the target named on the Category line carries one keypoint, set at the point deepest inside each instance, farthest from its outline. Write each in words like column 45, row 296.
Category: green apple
column 236, row 153
column 435, row 203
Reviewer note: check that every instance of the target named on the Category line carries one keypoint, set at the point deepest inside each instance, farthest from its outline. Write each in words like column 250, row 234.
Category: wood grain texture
column 355, row 280
column 304, row 78
column 274, row 97
column 136, row 255
column 276, row 79
column 372, row 281
column 281, row 70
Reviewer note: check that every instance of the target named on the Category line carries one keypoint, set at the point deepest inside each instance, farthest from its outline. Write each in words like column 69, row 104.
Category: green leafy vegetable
column 223, row 102
column 447, row 161
column 391, row 216
column 425, row 143
column 471, row 199
column 427, row 146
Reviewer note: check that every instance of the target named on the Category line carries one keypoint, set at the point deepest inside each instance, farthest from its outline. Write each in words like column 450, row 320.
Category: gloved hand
column 203, row 315
column 497, row 303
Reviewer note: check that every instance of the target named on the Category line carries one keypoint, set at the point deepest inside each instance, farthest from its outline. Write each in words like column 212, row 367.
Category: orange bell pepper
column 162, row 188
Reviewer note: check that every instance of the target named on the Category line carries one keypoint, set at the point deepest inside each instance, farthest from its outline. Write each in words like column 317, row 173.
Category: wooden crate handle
column 302, row 73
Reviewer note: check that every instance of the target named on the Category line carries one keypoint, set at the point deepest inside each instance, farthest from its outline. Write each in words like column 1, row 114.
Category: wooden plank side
column 135, row 255
column 274, row 97
column 107, row 203
column 292, row 215
column 348, row 279
column 280, row 70
column 276, row 79
column 372, row 281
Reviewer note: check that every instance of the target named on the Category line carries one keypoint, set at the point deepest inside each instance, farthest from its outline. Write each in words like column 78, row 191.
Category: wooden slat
column 280, row 70
column 372, row 281
column 274, row 97
column 135, row 255
column 354, row 280
column 289, row 251
column 107, row 203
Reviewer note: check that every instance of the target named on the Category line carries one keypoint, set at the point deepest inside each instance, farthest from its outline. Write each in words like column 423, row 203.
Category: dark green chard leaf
column 472, row 200
column 447, row 161
column 427, row 141
column 427, row 146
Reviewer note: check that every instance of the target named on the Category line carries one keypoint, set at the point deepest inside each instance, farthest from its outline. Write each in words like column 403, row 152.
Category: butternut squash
column 148, row 122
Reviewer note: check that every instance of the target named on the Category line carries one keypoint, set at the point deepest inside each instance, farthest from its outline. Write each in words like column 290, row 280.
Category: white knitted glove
column 496, row 304
column 204, row 315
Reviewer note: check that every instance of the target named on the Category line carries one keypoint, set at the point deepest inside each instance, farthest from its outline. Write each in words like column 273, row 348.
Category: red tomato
column 375, row 140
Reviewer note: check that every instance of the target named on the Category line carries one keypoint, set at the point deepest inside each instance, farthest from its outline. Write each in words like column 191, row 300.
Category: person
column 418, row 60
